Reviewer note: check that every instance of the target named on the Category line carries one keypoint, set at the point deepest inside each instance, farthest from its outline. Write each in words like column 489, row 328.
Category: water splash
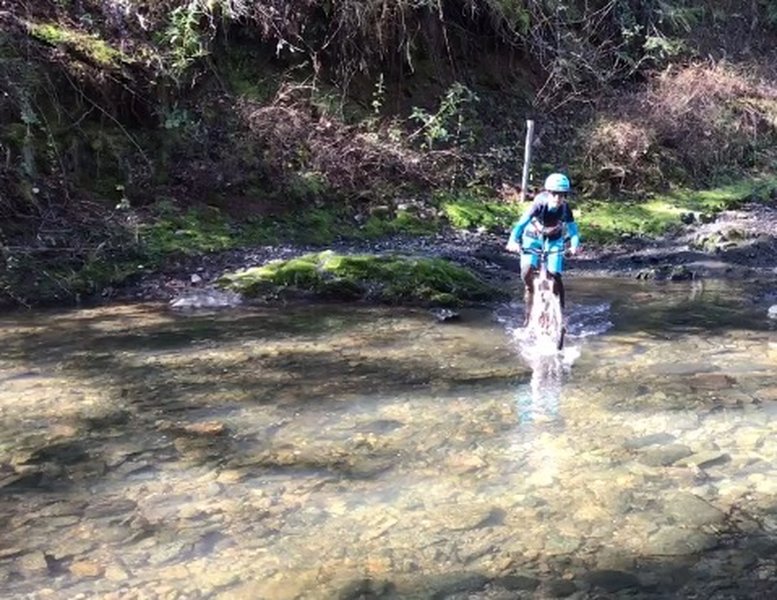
column 539, row 401
column 589, row 319
column 583, row 320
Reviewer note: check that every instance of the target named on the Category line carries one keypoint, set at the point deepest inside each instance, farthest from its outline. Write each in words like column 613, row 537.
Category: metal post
column 527, row 158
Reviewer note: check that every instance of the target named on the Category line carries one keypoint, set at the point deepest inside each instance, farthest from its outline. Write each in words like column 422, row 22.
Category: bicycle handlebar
column 539, row 251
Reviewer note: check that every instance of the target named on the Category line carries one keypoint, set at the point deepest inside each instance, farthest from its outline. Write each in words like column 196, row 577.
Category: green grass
column 607, row 221
column 393, row 279
column 98, row 50
column 200, row 231
column 603, row 222
column 191, row 233
column 472, row 209
column 407, row 223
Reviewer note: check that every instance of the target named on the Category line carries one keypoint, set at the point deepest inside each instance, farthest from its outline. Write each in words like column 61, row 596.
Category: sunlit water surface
column 347, row 452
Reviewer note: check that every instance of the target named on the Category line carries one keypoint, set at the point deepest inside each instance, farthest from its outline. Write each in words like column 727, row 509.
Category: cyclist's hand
column 573, row 250
column 513, row 246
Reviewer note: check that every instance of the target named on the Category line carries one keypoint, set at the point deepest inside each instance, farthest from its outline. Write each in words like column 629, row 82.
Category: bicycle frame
column 546, row 318
column 543, row 254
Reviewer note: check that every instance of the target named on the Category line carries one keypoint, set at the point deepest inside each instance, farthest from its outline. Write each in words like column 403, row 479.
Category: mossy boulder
column 383, row 278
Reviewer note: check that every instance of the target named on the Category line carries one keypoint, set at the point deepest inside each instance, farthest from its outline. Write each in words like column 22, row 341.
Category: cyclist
column 548, row 220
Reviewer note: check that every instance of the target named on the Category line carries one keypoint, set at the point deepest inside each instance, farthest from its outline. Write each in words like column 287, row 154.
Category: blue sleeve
column 518, row 228
column 574, row 234
column 572, row 230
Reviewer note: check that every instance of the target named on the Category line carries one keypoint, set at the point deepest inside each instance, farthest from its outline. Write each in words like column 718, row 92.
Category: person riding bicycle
column 549, row 220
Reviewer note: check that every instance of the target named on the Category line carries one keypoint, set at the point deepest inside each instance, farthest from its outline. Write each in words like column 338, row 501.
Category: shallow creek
column 329, row 451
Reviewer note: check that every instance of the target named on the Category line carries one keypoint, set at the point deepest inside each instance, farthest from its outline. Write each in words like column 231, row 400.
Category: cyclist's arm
column 517, row 232
column 572, row 230
column 574, row 235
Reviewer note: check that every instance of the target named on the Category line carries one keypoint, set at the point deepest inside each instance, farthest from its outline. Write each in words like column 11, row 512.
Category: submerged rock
column 612, row 580
column 689, row 510
column 444, row 315
column 652, row 439
column 665, row 456
column 673, row 541
column 207, row 298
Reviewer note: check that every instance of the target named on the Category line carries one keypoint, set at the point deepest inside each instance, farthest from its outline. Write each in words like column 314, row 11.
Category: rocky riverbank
column 737, row 244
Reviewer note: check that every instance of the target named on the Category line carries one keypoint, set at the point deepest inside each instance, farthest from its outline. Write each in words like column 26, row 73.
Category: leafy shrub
column 692, row 123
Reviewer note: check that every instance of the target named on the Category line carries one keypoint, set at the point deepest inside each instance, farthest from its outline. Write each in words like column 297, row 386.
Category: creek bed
column 326, row 451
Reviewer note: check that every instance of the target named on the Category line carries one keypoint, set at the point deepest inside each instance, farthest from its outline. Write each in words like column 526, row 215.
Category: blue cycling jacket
column 539, row 219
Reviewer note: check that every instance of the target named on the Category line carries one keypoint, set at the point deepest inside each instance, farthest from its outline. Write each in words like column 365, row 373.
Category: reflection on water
column 542, row 402
column 541, row 399
column 349, row 452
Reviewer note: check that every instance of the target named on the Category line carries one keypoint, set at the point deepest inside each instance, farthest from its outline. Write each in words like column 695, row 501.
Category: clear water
column 346, row 452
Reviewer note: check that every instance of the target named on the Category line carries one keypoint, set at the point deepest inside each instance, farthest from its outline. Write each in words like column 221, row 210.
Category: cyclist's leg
column 529, row 264
column 528, row 273
column 558, row 288
column 556, row 267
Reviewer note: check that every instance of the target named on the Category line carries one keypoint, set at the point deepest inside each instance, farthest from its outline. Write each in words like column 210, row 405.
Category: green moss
column 198, row 231
column 191, row 233
column 403, row 223
column 314, row 226
column 98, row 274
column 603, row 222
column 469, row 209
column 606, row 221
column 325, row 225
column 98, row 50
column 394, row 279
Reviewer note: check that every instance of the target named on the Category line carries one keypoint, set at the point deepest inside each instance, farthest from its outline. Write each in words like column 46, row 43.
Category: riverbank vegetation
column 385, row 278
column 136, row 131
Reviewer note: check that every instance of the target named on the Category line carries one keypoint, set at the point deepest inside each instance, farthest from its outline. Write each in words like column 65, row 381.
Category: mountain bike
column 546, row 319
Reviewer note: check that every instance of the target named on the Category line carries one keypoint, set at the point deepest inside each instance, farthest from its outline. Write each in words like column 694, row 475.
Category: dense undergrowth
column 136, row 131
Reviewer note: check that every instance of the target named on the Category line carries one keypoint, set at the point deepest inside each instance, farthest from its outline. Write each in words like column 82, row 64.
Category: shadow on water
column 171, row 383
column 148, row 328
column 674, row 309
column 736, row 565
column 169, row 373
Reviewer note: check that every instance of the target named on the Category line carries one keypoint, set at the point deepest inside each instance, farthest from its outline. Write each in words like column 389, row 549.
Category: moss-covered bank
column 604, row 222
column 382, row 278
